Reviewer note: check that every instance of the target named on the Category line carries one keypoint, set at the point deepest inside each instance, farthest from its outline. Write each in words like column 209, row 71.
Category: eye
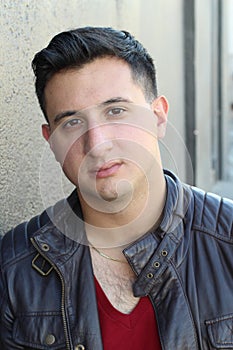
column 72, row 123
column 116, row 111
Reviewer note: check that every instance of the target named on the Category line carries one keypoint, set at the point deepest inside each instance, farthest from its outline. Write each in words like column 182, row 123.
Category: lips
column 106, row 170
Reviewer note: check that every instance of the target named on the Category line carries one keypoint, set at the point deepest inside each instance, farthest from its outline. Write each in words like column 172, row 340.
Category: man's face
column 101, row 128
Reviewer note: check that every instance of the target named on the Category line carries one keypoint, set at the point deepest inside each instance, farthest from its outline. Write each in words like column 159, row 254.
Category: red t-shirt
column 134, row 331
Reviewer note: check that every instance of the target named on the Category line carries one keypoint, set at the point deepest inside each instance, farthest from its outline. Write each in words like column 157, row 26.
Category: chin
column 106, row 200
column 108, row 197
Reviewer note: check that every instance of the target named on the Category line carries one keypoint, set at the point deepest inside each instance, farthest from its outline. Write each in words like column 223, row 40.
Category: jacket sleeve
column 6, row 316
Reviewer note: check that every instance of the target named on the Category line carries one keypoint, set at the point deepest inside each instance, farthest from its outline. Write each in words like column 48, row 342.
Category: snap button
column 156, row 264
column 50, row 339
column 150, row 275
column 164, row 252
column 80, row 347
column 45, row 247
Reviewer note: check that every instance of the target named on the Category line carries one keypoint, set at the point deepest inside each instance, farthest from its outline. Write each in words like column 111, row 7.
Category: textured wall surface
column 27, row 27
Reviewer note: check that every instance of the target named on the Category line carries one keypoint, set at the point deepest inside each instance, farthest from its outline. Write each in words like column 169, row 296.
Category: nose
column 98, row 140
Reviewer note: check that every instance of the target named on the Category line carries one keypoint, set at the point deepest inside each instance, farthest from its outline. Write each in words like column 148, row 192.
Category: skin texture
column 104, row 133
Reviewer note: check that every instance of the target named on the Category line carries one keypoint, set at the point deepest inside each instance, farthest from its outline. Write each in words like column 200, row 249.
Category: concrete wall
column 208, row 87
column 228, row 93
column 26, row 27
column 205, row 83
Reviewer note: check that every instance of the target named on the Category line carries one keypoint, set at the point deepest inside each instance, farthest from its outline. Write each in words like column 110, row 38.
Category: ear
column 160, row 108
column 46, row 131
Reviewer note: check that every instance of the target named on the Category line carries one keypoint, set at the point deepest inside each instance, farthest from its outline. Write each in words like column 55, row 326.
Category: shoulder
column 212, row 213
column 17, row 241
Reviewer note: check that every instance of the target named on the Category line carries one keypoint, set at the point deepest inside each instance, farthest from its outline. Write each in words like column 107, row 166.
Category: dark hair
column 75, row 48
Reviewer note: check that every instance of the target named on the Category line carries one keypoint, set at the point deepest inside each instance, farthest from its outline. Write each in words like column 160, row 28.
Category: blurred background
column 191, row 42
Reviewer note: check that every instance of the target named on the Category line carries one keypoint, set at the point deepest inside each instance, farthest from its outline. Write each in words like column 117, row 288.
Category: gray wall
column 209, row 85
column 206, row 89
column 26, row 27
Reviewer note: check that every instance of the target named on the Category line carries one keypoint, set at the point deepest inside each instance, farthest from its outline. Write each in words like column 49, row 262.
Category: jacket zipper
column 63, row 294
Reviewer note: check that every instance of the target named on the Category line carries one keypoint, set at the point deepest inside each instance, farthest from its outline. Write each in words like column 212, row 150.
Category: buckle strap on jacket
column 40, row 264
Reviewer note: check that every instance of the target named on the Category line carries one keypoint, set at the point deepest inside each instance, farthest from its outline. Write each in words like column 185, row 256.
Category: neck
column 115, row 228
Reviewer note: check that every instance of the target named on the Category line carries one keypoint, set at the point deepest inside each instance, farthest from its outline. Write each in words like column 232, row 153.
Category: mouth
column 106, row 170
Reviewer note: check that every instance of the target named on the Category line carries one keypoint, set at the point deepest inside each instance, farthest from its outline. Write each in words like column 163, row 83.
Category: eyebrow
column 115, row 100
column 62, row 115
column 69, row 113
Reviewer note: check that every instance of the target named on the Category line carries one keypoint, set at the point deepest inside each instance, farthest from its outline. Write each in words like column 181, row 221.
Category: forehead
column 95, row 83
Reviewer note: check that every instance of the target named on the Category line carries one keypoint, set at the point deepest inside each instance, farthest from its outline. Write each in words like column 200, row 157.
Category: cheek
column 140, row 150
column 139, row 140
column 66, row 150
column 71, row 164
column 74, row 156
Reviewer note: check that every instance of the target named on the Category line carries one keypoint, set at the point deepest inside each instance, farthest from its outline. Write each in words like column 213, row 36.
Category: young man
column 133, row 259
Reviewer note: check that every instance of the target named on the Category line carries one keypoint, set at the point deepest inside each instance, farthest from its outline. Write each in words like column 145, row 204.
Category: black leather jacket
column 47, row 293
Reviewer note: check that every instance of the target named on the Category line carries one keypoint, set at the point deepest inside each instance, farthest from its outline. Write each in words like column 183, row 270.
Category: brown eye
column 72, row 123
column 117, row 111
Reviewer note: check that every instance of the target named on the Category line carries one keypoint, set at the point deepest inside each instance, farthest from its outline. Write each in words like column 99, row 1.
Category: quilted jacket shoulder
column 212, row 214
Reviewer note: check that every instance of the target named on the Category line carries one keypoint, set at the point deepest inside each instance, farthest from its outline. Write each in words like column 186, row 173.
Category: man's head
column 97, row 88
column 75, row 48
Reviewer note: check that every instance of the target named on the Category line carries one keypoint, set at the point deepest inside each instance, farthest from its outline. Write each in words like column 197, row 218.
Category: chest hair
column 116, row 280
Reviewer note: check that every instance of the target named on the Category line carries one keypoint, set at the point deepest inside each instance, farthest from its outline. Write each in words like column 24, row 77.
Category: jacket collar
column 177, row 202
column 150, row 255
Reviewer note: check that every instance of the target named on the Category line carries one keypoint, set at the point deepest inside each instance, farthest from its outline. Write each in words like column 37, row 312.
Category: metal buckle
column 41, row 264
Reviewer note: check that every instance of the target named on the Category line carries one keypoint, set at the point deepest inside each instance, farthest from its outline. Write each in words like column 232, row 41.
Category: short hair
column 75, row 48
